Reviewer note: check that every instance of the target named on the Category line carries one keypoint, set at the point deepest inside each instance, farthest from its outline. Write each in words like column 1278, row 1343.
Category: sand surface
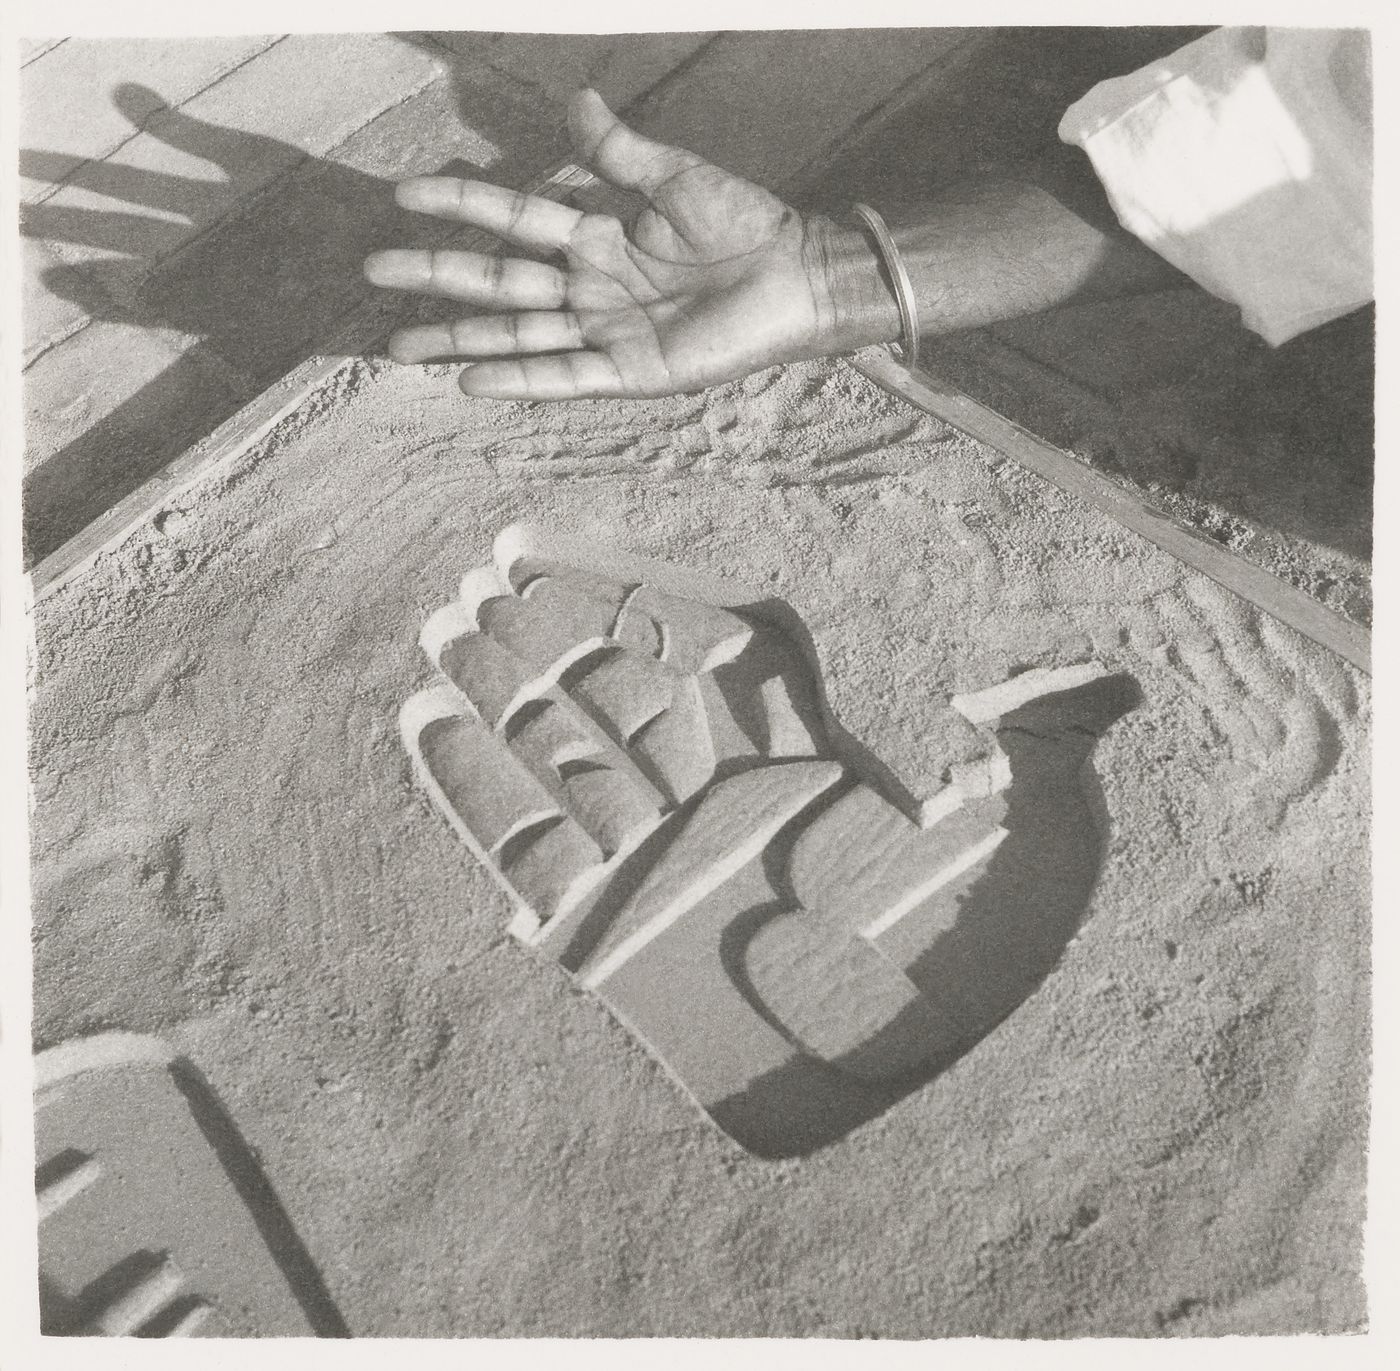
column 1165, row 1137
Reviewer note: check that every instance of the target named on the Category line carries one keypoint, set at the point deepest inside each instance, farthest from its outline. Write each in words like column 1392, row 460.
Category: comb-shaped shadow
column 263, row 1203
column 67, row 1314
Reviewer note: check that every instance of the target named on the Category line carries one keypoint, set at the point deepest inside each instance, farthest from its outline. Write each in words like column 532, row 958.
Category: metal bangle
column 908, row 348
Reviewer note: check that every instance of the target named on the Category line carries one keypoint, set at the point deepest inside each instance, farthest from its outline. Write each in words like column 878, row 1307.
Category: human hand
column 713, row 279
column 644, row 762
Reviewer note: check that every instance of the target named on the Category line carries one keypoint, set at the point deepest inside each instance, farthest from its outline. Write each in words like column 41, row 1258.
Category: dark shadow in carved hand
column 1012, row 927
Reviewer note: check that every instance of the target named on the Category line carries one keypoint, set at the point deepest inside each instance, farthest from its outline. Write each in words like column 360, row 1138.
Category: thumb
column 619, row 154
column 209, row 142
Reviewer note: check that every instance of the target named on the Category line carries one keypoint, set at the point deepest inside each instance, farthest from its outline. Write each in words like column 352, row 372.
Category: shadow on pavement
column 262, row 290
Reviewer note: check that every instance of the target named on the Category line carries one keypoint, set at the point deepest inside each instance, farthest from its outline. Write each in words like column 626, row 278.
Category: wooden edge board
column 265, row 411
column 235, row 436
column 1261, row 588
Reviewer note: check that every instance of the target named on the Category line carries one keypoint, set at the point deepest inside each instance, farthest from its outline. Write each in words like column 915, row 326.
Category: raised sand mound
column 1165, row 1136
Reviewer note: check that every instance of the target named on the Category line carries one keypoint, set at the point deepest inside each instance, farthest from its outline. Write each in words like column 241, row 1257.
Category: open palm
column 714, row 279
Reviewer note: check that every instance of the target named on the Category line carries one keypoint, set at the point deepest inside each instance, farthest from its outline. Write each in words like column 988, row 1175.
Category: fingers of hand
column 571, row 717
column 477, row 277
column 572, row 376
column 528, row 221
column 618, row 153
column 512, row 760
column 492, row 335
column 499, row 808
column 688, row 635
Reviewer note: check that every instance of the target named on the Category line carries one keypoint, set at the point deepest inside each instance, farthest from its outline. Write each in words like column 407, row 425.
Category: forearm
column 983, row 251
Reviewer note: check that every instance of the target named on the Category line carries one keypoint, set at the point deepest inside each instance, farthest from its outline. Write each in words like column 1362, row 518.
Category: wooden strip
column 241, row 431
column 1261, row 588
column 233, row 437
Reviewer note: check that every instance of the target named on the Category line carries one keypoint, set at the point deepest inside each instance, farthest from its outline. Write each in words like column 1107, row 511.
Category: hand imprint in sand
column 155, row 1220
column 653, row 777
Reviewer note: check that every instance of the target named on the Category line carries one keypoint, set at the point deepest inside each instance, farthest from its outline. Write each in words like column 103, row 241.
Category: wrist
column 855, row 306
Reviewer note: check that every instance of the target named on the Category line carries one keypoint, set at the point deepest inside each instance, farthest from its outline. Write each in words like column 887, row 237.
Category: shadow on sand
column 1011, row 928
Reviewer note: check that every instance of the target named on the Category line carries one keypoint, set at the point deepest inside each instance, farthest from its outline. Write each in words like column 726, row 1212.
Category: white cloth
column 1244, row 159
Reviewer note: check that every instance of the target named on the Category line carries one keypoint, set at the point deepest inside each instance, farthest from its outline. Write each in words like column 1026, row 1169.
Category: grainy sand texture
column 1165, row 1136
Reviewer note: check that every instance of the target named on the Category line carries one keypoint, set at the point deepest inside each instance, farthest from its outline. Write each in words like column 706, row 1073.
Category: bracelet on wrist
column 907, row 349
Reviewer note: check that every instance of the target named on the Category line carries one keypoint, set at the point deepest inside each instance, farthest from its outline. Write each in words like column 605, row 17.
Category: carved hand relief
column 645, row 762
column 155, row 1219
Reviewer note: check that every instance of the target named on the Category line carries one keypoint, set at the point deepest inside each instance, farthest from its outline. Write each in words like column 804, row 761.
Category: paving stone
column 193, row 166
column 472, row 120
column 67, row 111
column 620, row 66
column 1103, row 345
column 83, row 380
column 105, row 409
column 470, row 43
column 262, row 290
column 47, row 317
column 766, row 105
column 267, row 286
column 31, row 49
column 993, row 101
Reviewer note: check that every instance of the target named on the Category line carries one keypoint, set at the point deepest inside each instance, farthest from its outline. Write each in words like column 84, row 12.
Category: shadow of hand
column 240, row 240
